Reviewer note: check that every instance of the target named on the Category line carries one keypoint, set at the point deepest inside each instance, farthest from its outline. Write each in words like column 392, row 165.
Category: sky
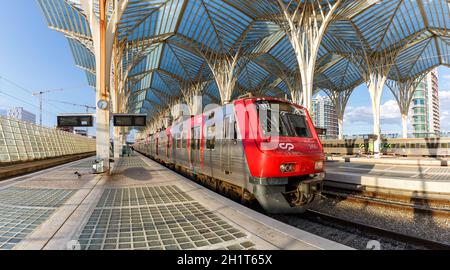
column 36, row 58
column 358, row 114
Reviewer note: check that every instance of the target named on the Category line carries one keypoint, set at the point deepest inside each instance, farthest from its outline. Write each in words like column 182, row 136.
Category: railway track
column 347, row 232
column 375, row 230
column 435, row 208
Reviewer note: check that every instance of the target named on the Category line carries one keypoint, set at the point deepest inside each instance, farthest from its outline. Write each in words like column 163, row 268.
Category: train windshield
column 282, row 119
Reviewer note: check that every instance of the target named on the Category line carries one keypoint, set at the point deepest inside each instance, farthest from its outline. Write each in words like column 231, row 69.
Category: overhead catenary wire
column 70, row 103
column 22, row 101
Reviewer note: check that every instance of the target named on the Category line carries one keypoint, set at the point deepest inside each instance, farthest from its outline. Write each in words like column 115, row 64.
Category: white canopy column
column 403, row 91
column 339, row 100
column 305, row 23
column 103, row 32
column 374, row 69
column 192, row 93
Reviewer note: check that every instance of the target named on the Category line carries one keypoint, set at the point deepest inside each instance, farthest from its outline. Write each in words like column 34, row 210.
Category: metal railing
column 23, row 141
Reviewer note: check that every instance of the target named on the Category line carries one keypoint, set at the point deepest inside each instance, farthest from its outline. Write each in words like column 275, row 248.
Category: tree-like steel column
column 225, row 70
column 374, row 68
column 403, row 91
column 339, row 100
column 192, row 93
column 305, row 23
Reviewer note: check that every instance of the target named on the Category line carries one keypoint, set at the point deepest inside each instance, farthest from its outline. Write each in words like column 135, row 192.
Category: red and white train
column 235, row 149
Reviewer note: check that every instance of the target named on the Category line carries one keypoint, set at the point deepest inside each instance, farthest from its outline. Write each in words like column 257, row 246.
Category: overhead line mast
column 39, row 94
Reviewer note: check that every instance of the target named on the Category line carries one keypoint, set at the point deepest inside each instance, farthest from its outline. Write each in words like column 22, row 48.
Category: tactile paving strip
column 33, row 197
column 161, row 217
column 142, row 196
column 16, row 223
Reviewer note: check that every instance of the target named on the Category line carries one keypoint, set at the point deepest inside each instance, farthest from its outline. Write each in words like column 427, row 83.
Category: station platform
column 141, row 205
column 418, row 180
column 8, row 170
column 418, row 161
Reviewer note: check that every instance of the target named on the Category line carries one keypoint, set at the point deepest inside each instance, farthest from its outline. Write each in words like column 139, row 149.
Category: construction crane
column 39, row 94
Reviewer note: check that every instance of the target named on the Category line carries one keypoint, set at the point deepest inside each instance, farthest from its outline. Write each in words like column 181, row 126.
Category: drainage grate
column 34, row 197
column 178, row 226
column 17, row 223
column 142, row 196
column 247, row 245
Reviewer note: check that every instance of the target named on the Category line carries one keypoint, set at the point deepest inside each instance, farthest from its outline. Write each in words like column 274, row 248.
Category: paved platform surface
column 142, row 205
column 419, row 161
column 419, row 178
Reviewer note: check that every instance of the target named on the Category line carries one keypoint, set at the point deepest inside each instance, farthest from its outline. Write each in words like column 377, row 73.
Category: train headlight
column 318, row 165
column 287, row 167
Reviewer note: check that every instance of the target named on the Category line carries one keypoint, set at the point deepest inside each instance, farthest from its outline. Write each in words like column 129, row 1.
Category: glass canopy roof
column 164, row 43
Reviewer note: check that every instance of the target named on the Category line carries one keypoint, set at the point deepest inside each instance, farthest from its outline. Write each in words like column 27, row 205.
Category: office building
column 324, row 116
column 425, row 107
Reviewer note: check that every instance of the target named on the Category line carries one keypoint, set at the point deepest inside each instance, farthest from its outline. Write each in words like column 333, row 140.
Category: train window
column 444, row 145
column 195, row 138
column 423, row 145
column 211, row 141
column 290, row 123
column 412, row 146
column 402, row 145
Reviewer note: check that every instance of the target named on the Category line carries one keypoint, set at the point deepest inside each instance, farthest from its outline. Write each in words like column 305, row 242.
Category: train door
column 225, row 158
column 195, row 145
column 167, row 145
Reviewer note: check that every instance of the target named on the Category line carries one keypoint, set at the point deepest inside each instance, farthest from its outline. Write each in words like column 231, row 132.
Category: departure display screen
column 129, row 120
column 75, row 120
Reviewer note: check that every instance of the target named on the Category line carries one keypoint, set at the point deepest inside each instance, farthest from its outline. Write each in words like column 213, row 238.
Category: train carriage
column 422, row 147
column 237, row 150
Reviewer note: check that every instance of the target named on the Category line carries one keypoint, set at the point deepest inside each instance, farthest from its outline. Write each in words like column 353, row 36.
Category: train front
column 284, row 155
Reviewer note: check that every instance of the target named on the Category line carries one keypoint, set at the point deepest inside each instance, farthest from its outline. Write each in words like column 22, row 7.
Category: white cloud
column 444, row 103
column 359, row 120
column 444, row 96
column 389, row 112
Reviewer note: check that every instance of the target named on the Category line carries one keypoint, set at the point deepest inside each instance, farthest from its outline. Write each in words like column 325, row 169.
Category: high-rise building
column 20, row 114
column 324, row 116
column 425, row 107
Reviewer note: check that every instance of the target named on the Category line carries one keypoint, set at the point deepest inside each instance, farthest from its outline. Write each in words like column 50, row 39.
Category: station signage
column 130, row 120
column 75, row 121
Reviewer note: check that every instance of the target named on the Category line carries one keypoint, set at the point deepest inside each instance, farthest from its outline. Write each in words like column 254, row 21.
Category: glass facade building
column 324, row 116
column 425, row 107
